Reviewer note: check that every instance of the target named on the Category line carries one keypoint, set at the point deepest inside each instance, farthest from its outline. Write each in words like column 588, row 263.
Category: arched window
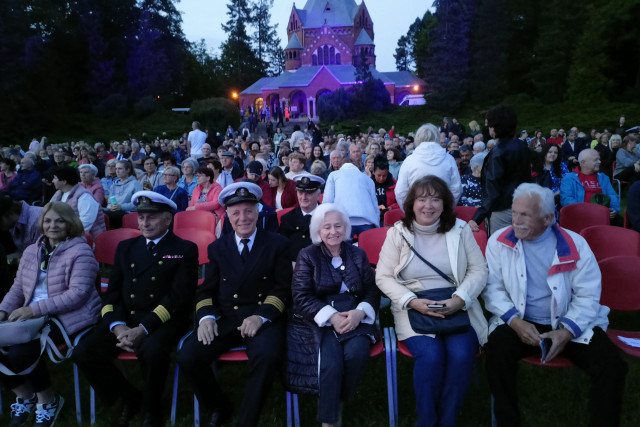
column 326, row 55
column 338, row 62
column 314, row 59
column 320, row 56
column 332, row 55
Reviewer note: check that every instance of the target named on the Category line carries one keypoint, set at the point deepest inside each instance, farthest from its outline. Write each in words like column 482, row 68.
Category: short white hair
column 92, row 168
column 317, row 220
column 477, row 160
column 542, row 195
column 481, row 145
column 426, row 133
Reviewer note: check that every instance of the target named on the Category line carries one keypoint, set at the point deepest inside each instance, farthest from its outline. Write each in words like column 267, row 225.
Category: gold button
column 153, row 279
column 132, row 296
column 134, row 280
column 133, row 265
column 159, row 262
column 235, row 295
column 133, row 312
column 151, row 296
column 235, row 307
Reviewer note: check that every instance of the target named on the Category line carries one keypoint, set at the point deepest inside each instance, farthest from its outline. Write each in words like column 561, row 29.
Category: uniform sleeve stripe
column 107, row 309
column 204, row 303
column 162, row 313
column 276, row 302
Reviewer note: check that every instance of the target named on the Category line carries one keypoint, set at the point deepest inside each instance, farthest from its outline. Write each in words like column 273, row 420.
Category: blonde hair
column 74, row 225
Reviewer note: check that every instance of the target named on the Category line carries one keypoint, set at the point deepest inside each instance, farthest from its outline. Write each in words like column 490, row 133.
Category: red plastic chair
column 107, row 222
column 371, row 241
column 282, row 212
column 466, row 213
column 607, row 241
column 620, row 292
column 627, row 220
column 130, row 220
column 105, row 249
column 202, row 220
column 618, row 181
column 481, row 239
column 89, row 238
column 201, row 238
column 577, row 216
column 392, row 216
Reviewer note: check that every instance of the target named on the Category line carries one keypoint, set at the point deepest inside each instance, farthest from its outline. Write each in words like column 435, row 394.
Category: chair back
column 107, row 222
column 371, row 242
column 627, row 220
column 202, row 220
column 577, row 216
column 606, row 241
column 282, row 212
column 89, row 238
column 620, row 290
column 481, row 240
column 392, row 216
column 201, row 238
column 130, row 220
column 107, row 242
column 466, row 213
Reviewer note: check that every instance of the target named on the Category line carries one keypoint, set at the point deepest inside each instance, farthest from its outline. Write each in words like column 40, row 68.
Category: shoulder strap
column 433, row 267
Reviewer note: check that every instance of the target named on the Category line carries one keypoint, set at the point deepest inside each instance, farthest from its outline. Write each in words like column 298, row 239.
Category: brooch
column 172, row 256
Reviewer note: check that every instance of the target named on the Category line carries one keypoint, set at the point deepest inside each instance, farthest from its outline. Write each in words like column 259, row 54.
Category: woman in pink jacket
column 205, row 195
column 55, row 278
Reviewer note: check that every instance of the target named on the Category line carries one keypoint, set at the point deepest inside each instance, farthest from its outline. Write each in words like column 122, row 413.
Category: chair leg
column 493, row 414
column 387, row 353
column 174, row 395
column 289, row 417
column 92, row 405
column 196, row 412
column 296, row 413
column 394, row 371
column 76, row 386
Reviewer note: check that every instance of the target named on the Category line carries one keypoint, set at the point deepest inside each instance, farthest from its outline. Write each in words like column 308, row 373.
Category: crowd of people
column 296, row 288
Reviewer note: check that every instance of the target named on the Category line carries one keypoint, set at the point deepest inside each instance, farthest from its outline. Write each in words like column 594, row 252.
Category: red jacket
column 289, row 196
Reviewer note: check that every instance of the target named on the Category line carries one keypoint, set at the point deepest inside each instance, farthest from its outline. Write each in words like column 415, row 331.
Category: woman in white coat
column 443, row 362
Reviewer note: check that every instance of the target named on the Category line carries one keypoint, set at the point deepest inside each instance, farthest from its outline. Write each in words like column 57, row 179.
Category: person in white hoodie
column 429, row 158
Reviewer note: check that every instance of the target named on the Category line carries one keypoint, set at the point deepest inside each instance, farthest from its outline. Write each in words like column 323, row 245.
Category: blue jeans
column 441, row 375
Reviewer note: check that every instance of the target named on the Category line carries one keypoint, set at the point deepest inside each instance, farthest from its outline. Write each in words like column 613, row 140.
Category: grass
column 548, row 397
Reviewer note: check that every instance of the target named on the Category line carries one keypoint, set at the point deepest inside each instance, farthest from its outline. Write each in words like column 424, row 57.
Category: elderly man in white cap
column 242, row 302
column 145, row 311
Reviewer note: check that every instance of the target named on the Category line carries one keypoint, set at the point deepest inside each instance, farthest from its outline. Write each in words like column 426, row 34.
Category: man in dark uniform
column 241, row 302
column 145, row 311
column 294, row 225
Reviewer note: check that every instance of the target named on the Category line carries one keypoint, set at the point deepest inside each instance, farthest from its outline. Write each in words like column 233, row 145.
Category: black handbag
column 455, row 323
column 345, row 302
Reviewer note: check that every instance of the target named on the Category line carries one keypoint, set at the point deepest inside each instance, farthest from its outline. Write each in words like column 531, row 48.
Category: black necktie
column 151, row 247
column 245, row 250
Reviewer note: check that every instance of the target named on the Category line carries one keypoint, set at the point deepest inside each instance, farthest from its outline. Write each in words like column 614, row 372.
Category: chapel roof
column 363, row 39
column 336, row 13
column 294, row 43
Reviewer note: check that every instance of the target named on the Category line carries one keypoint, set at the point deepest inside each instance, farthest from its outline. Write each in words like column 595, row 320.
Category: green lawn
column 548, row 396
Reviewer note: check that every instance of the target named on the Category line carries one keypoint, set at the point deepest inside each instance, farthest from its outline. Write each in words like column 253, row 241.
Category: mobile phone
column 545, row 346
column 436, row 306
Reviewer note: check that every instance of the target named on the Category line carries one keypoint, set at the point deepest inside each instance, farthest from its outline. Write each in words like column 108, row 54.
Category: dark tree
column 402, row 55
column 363, row 73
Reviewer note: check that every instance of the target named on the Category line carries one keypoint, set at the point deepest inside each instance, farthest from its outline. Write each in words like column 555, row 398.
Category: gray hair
column 317, row 220
column 426, row 133
column 344, row 144
column 477, row 160
column 172, row 170
column 192, row 162
column 338, row 152
column 480, row 144
column 543, row 195
column 92, row 168
column 110, row 161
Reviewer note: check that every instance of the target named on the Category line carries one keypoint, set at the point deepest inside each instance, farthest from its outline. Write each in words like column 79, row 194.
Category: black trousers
column 265, row 352
column 95, row 353
column 18, row 358
column 600, row 359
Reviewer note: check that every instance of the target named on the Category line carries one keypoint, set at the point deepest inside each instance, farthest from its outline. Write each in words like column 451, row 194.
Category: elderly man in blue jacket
column 580, row 187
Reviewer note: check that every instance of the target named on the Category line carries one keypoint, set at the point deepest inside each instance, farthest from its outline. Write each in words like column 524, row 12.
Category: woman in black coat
column 334, row 290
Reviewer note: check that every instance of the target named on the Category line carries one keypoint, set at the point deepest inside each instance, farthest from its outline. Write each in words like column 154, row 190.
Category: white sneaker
column 47, row 413
column 21, row 410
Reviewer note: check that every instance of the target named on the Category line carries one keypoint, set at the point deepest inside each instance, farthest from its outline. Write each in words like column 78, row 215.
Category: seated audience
column 633, row 205
column 294, row 225
column 241, row 302
column 395, row 162
column 533, row 296
column 151, row 178
column 283, row 190
column 188, row 181
column 606, row 155
column 254, row 172
column 120, row 193
column 146, row 309
column 90, row 182
column 553, row 168
column 429, row 158
column 7, row 172
column 66, row 181
column 205, row 195
column 333, row 289
column 109, row 177
column 56, row 277
column 170, row 189
column 443, row 361
column 20, row 220
column 230, row 171
column 580, row 187
column 384, row 185
column 471, row 184
column 296, row 164
column 628, row 160
column 26, row 185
